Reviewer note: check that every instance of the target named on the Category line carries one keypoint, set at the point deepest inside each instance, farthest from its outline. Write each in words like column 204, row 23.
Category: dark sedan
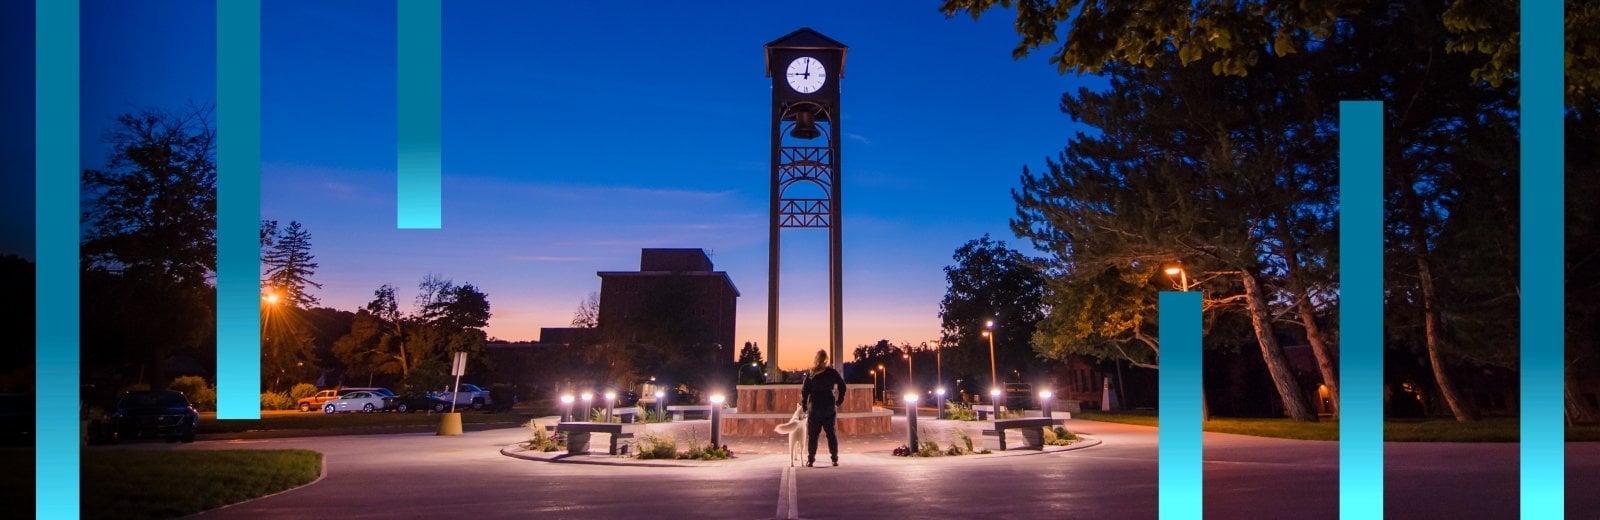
column 153, row 413
column 413, row 403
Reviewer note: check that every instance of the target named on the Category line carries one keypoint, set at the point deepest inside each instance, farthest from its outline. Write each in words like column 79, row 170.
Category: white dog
column 796, row 430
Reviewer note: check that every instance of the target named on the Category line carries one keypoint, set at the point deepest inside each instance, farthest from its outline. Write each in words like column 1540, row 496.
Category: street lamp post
column 874, row 373
column 661, row 406
column 1181, row 282
column 911, row 373
column 939, row 414
column 884, row 394
column 587, row 398
column 994, row 381
column 611, row 402
column 716, row 420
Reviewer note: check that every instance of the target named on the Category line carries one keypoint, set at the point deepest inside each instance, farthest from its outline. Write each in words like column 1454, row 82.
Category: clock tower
column 806, row 68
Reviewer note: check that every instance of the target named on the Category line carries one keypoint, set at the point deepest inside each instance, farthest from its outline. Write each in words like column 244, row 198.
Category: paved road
column 423, row 476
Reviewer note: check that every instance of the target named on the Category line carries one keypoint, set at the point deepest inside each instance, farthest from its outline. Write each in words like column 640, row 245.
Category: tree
column 991, row 282
column 152, row 211
column 290, row 265
column 750, row 367
column 415, row 346
column 588, row 314
column 149, row 249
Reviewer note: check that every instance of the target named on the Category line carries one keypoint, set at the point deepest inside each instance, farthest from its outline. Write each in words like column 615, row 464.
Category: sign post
column 451, row 423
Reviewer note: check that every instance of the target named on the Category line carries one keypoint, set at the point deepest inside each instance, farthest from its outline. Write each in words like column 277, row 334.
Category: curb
column 516, row 451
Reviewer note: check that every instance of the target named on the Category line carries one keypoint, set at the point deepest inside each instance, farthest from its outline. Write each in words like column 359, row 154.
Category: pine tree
column 290, row 265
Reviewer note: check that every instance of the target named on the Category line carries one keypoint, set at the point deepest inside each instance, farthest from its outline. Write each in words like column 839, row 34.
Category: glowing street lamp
column 587, row 397
column 911, row 374
column 994, row 401
column 989, row 333
column 1044, row 403
column 661, row 405
column 939, row 414
column 566, row 407
column 1179, row 275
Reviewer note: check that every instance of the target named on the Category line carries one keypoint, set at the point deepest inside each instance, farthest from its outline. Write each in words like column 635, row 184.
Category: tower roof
column 806, row 38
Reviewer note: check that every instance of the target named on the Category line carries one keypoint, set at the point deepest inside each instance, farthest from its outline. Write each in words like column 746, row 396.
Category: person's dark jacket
column 817, row 393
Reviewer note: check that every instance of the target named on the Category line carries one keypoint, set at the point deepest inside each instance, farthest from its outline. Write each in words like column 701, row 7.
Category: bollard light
column 994, row 402
column 716, row 419
column 611, row 403
column 1044, row 403
column 911, row 420
column 939, row 414
column 587, row 398
column 566, row 407
column 661, row 406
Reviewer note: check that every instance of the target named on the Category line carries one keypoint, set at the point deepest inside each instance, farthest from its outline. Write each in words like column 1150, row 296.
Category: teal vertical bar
column 1361, row 309
column 419, row 57
column 1543, row 337
column 56, row 244
column 1179, row 465
column 238, row 209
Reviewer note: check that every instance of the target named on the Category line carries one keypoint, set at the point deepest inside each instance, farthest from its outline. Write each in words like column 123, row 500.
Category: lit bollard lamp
column 994, row 402
column 587, row 398
column 1044, row 403
column 716, row 420
column 939, row 413
column 566, row 407
column 611, row 403
column 911, row 420
column 661, row 406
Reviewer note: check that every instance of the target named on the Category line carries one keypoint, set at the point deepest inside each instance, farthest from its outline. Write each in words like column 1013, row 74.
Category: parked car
column 306, row 404
column 363, row 401
column 17, row 419
column 153, row 413
column 468, row 395
column 414, row 402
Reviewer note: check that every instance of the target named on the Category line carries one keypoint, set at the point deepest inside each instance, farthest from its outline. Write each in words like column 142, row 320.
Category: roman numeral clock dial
column 806, row 75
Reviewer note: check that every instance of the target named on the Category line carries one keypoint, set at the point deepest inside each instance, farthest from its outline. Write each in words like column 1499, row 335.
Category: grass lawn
column 167, row 484
column 350, row 422
column 1134, row 417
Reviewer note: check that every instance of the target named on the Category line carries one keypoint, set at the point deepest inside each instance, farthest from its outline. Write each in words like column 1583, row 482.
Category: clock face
column 806, row 74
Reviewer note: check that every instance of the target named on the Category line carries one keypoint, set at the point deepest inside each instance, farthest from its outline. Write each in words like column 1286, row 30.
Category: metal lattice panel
column 805, row 164
column 804, row 213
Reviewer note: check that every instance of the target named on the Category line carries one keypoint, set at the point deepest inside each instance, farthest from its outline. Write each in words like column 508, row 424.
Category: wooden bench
column 578, row 433
column 1032, row 430
column 680, row 410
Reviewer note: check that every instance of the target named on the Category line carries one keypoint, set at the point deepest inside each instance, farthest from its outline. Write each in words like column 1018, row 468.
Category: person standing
column 821, row 396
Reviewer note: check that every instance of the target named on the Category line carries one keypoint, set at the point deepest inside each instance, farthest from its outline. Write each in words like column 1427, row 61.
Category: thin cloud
column 858, row 138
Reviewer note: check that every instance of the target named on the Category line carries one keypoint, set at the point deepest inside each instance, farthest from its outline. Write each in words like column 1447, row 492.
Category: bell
column 804, row 126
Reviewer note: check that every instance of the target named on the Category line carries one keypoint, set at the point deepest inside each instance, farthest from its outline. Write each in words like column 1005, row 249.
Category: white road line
column 788, row 502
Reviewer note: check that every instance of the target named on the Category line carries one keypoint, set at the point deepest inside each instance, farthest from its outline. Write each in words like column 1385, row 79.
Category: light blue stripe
column 419, row 61
column 1543, row 338
column 56, row 245
column 1179, row 464
column 238, row 209
column 1361, row 314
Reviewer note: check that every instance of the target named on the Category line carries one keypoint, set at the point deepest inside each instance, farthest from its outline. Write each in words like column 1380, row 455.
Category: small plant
column 540, row 439
column 1058, row 436
column 958, row 412
column 930, row 449
column 276, row 401
column 599, row 415
column 902, row 451
column 653, row 446
column 960, row 436
column 716, row 453
column 651, row 416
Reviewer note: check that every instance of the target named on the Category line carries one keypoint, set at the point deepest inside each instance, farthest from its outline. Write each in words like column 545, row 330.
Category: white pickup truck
column 469, row 395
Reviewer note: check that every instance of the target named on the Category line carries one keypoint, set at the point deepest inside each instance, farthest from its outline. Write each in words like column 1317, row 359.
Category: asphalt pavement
column 425, row 476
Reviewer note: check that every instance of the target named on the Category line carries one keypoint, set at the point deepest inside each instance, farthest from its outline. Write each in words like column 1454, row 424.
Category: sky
column 577, row 133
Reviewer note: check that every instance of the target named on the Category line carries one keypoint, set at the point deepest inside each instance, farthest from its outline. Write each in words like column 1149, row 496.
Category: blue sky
column 565, row 150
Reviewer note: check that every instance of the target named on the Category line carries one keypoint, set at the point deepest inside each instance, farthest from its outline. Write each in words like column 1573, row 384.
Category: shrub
column 201, row 395
column 1058, row 436
column 902, row 451
column 957, row 412
column 539, row 439
column 302, row 391
column 930, row 449
column 715, row 453
column 654, row 446
column 960, row 436
column 502, row 396
column 276, row 401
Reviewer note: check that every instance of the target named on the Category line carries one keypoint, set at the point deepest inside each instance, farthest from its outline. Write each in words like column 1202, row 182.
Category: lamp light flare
column 910, row 398
column 718, row 399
